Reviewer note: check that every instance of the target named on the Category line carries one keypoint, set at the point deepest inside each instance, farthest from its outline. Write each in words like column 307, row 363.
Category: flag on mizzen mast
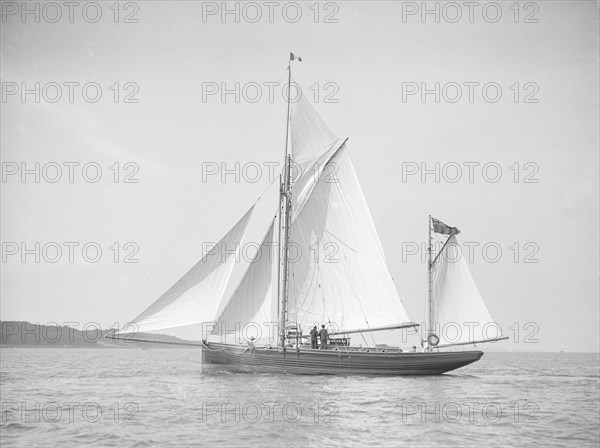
column 339, row 273
column 195, row 297
column 444, row 229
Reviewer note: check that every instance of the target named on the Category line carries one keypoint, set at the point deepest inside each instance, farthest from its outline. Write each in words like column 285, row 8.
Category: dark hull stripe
column 233, row 358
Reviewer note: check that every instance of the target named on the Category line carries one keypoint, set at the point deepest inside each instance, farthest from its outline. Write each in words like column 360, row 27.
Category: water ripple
column 147, row 398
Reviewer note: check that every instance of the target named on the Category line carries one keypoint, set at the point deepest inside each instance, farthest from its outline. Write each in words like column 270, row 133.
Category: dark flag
column 440, row 227
column 295, row 58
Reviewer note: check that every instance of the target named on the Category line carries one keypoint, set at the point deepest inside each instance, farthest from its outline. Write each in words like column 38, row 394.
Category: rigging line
column 162, row 257
column 266, row 190
column 340, row 240
column 364, row 340
column 295, row 307
column 346, row 267
column 442, row 249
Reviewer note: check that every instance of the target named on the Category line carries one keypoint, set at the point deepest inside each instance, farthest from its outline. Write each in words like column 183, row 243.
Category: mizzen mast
column 430, row 325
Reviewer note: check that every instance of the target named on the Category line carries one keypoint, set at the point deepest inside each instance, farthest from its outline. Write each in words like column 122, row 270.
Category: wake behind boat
column 286, row 290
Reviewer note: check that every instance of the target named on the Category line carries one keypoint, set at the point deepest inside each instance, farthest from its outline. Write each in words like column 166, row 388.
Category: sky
column 162, row 125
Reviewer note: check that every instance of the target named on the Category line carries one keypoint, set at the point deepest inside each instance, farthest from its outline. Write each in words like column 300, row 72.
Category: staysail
column 459, row 313
column 338, row 272
column 195, row 297
column 252, row 309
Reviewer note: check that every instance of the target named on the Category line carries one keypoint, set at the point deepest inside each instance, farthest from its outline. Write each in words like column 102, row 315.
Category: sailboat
column 287, row 290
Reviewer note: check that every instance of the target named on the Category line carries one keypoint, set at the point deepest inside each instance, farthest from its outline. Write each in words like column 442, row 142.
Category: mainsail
column 195, row 297
column 459, row 312
column 338, row 272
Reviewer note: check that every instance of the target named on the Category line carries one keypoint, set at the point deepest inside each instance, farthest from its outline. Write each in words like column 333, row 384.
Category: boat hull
column 233, row 358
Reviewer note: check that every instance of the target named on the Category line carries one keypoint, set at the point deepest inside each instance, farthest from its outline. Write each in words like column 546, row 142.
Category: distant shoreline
column 22, row 334
column 136, row 346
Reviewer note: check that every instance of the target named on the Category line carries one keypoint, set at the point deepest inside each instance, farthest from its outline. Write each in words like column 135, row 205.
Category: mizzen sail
column 459, row 313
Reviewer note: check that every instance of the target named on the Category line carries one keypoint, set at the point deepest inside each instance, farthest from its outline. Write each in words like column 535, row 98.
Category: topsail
column 313, row 146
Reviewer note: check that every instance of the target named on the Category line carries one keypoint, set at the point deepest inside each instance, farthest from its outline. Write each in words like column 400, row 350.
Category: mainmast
column 285, row 211
column 430, row 329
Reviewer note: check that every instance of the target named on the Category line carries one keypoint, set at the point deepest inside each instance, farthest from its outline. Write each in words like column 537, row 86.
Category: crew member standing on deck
column 323, row 336
column 313, row 336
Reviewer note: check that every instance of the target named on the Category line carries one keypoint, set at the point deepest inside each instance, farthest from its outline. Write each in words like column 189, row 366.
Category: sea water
column 160, row 397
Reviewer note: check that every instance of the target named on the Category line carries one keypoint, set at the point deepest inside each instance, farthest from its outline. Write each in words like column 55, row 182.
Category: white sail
column 459, row 313
column 195, row 297
column 313, row 145
column 338, row 272
column 252, row 309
